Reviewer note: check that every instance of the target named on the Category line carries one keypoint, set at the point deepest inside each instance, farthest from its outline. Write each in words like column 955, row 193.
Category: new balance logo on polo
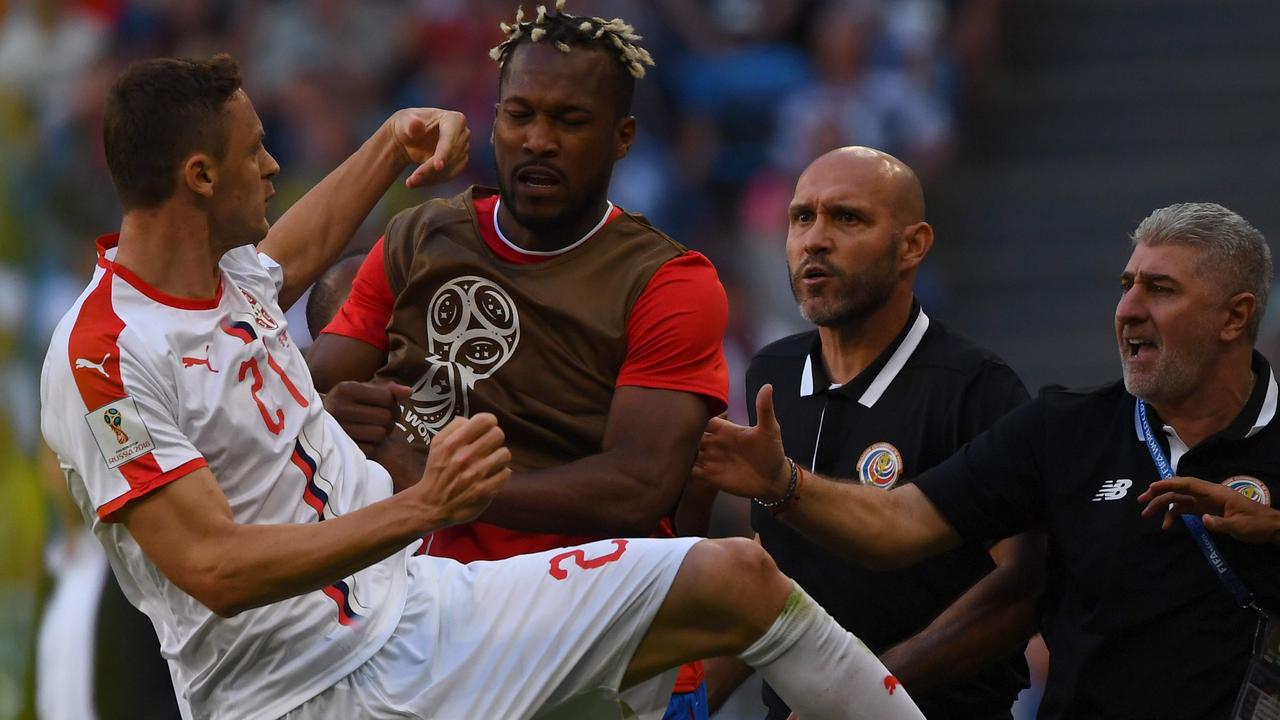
column 1113, row 489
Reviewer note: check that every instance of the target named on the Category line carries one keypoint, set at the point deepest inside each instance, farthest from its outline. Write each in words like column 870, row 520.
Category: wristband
column 793, row 485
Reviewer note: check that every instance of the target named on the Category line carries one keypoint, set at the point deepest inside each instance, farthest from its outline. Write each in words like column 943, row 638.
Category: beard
column 850, row 297
column 566, row 215
column 1174, row 375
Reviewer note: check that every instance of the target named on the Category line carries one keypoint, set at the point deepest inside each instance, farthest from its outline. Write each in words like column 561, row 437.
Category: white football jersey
column 140, row 388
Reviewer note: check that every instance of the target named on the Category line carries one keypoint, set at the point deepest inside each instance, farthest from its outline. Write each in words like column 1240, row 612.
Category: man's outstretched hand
column 1222, row 509
column 745, row 461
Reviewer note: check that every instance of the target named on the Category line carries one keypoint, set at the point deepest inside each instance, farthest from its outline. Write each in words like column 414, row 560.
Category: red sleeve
column 365, row 314
column 675, row 333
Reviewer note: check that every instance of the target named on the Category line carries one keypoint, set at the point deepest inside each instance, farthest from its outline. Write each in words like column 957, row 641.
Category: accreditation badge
column 1259, row 697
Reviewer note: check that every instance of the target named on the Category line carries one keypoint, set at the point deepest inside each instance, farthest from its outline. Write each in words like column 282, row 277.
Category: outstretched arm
column 624, row 490
column 992, row 619
column 186, row 527
column 1222, row 509
column 312, row 233
column 650, row 439
column 880, row 529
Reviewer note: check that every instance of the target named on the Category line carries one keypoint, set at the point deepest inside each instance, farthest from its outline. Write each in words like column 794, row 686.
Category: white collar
column 547, row 253
column 896, row 362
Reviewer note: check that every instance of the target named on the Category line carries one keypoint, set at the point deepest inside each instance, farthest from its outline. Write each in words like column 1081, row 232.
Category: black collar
column 1258, row 411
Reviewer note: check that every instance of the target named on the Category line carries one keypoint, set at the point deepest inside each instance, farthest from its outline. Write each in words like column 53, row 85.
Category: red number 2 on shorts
column 580, row 558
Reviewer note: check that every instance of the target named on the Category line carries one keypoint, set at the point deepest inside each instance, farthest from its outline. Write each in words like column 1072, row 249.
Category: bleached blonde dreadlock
column 565, row 31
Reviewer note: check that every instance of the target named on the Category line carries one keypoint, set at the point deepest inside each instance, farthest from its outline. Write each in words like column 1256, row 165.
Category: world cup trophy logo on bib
column 472, row 330
column 112, row 419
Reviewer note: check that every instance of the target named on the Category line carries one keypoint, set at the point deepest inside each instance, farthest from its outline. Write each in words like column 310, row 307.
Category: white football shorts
column 546, row 636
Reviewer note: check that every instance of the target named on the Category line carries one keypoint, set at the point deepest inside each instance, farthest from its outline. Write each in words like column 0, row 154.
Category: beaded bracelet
column 789, row 495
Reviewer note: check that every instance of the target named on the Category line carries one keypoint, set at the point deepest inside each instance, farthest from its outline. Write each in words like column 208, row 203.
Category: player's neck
column 550, row 239
column 1214, row 404
column 850, row 348
column 170, row 250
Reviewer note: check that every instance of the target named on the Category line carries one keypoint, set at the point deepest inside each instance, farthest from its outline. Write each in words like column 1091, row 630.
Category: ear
column 493, row 129
column 200, row 174
column 1240, row 308
column 626, row 136
column 917, row 239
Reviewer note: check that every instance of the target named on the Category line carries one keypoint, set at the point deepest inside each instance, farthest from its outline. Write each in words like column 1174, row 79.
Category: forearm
column 597, row 495
column 254, row 565
column 313, row 232
column 882, row 530
column 992, row 619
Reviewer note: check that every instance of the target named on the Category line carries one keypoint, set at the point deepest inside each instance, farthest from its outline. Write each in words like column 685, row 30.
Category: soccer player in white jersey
column 269, row 553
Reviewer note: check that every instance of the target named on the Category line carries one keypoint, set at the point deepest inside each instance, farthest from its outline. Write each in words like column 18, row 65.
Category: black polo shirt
column 1137, row 623
column 927, row 394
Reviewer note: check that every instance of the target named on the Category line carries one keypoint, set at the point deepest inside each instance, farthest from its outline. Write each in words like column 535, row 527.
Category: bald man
column 876, row 394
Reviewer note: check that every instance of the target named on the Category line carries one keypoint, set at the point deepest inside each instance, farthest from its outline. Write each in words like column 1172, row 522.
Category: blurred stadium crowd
column 744, row 95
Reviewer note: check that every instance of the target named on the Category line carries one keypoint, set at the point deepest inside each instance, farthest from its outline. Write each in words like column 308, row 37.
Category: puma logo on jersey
column 194, row 361
column 81, row 363
column 1113, row 489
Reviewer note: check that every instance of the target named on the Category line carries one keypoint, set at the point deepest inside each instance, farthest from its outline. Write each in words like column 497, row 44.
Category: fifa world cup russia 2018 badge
column 112, row 418
column 880, row 465
column 1250, row 487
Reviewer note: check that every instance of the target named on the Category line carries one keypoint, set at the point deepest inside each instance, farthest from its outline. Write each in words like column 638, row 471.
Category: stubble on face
column 1175, row 370
column 850, row 297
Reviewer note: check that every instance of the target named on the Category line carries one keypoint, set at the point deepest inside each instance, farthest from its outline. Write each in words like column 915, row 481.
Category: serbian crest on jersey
column 1250, row 487
column 261, row 317
column 880, row 465
column 473, row 329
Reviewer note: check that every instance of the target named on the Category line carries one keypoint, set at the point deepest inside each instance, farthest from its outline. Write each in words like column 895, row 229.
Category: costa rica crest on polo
column 1250, row 487
column 880, row 465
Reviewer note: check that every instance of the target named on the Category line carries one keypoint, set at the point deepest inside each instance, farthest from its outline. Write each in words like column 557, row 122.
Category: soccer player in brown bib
column 594, row 337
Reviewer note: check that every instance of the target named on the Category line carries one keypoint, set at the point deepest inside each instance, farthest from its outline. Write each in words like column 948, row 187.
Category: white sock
column 822, row 671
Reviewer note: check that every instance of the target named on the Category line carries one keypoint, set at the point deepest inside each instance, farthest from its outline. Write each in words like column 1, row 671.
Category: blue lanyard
column 1195, row 526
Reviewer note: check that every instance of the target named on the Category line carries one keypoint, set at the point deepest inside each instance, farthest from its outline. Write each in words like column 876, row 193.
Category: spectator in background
column 897, row 105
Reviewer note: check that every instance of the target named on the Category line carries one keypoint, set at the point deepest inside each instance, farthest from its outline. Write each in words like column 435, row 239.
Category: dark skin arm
column 992, row 619
column 624, row 490
column 335, row 358
column 650, row 441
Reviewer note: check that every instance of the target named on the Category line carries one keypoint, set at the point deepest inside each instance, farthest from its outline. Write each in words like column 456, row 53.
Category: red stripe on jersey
column 338, row 593
column 94, row 354
column 106, row 242
column 109, row 508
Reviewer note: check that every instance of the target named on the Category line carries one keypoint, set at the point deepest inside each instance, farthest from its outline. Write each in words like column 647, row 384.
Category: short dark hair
column 615, row 38
column 331, row 291
column 159, row 112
